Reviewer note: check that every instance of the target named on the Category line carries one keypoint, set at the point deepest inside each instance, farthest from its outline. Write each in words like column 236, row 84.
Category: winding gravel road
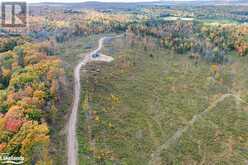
column 72, row 124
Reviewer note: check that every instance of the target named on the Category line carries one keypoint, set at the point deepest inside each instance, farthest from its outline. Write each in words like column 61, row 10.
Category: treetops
column 29, row 82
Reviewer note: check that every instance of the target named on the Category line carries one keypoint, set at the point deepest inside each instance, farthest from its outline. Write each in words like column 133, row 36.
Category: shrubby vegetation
column 135, row 105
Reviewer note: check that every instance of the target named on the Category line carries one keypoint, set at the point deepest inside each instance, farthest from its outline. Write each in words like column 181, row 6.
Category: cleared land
column 138, row 102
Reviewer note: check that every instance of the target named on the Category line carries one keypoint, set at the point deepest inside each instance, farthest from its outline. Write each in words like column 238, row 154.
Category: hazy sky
column 35, row 1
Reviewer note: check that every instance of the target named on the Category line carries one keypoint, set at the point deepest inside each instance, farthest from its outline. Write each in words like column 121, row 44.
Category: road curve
column 72, row 124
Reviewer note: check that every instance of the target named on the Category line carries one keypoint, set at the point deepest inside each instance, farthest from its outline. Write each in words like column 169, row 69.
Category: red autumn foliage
column 2, row 146
column 13, row 125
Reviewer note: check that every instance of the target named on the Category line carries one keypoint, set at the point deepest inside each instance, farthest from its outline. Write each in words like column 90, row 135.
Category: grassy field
column 138, row 102
column 219, row 137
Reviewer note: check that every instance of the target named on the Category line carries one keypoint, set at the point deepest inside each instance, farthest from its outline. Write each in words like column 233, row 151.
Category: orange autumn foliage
column 24, row 97
column 13, row 125
column 2, row 146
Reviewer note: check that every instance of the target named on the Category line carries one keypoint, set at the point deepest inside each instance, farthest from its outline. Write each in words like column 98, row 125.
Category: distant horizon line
column 101, row 1
column 104, row 1
column 113, row 1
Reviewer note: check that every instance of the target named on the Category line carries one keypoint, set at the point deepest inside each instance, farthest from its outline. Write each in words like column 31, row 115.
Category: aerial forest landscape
column 124, row 82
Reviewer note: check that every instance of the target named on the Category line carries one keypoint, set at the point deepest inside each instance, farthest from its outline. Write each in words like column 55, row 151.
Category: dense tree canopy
column 29, row 81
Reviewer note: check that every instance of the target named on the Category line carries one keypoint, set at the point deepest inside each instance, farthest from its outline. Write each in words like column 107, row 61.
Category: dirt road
column 72, row 124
